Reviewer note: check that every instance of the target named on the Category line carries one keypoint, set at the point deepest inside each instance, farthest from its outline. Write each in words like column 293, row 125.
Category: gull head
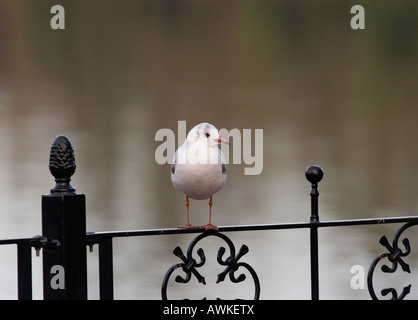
column 206, row 133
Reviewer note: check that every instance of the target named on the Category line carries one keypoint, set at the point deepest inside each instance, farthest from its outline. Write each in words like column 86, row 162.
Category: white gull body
column 198, row 169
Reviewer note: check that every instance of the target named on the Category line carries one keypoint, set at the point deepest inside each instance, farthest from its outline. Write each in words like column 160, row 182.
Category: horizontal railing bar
column 16, row 241
column 93, row 237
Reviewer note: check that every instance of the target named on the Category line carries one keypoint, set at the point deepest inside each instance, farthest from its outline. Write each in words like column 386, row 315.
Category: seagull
column 198, row 168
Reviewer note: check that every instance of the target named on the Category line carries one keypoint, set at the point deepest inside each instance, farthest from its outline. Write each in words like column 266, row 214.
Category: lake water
column 321, row 92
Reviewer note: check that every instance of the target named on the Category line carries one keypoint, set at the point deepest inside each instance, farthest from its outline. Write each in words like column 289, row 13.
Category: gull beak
column 220, row 140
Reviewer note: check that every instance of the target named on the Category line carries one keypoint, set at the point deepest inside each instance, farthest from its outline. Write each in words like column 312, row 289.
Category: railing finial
column 314, row 174
column 62, row 164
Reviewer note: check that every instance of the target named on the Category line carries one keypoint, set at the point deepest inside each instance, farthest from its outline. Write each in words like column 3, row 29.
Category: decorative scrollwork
column 394, row 256
column 190, row 265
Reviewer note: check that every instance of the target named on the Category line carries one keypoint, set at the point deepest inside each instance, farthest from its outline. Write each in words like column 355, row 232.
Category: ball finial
column 314, row 174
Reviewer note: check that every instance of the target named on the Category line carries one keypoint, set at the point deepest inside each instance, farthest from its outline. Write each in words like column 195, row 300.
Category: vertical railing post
column 106, row 269
column 314, row 174
column 24, row 271
column 64, row 230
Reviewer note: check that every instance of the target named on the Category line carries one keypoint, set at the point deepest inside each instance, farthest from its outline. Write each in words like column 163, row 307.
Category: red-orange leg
column 210, row 225
column 188, row 225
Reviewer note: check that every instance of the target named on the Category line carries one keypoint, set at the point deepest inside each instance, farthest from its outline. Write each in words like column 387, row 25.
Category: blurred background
column 322, row 93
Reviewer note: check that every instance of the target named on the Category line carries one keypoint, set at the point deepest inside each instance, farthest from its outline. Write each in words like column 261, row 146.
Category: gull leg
column 188, row 225
column 210, row 225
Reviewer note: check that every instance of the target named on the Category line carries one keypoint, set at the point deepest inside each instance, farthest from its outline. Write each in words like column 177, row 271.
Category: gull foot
column 188, row 226
column 210, row 226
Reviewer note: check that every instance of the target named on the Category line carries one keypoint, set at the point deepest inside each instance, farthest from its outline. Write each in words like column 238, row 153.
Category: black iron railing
column 64, row 239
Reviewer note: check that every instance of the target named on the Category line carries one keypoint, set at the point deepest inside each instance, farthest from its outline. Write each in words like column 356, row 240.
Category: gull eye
column 207, row 135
